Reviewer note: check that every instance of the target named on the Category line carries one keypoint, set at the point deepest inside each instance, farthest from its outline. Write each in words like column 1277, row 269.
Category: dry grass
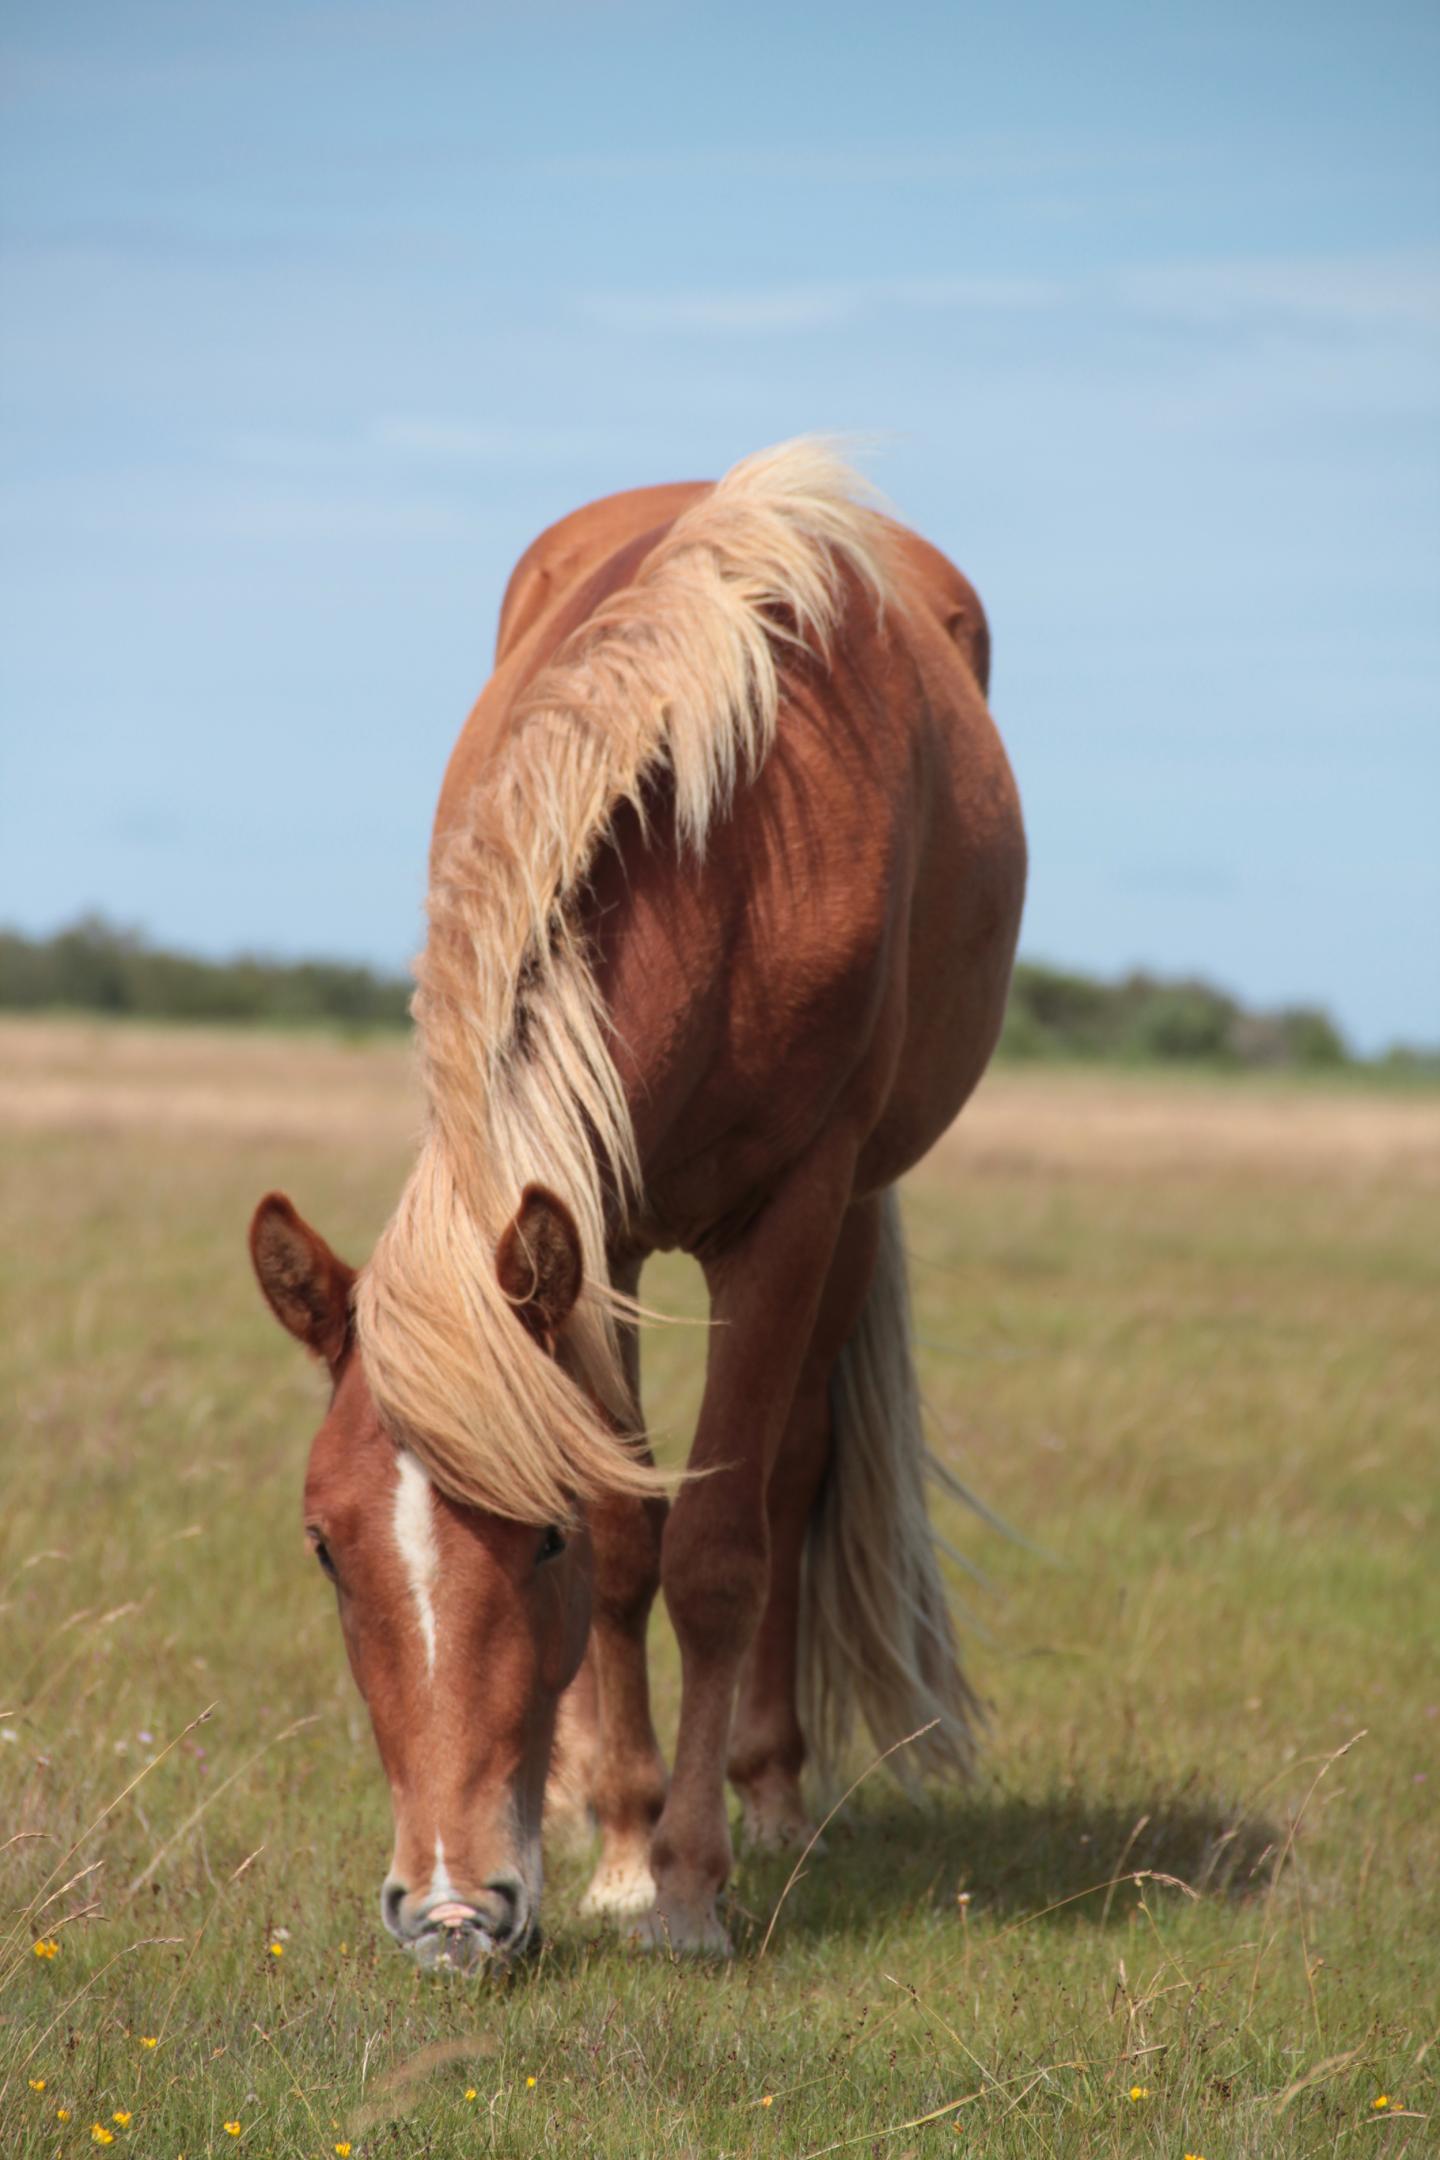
column 1135, row 1124
column 94, row 1077
column 58, row 1075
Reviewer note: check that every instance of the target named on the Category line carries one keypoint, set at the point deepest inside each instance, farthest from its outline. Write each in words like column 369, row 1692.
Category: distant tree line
column 95, row 967
column 1053, row 1014
column 1146, row 1021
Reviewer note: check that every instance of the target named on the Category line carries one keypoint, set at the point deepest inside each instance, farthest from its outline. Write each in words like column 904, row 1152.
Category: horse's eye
column 322, row 1554
column 551, row 1546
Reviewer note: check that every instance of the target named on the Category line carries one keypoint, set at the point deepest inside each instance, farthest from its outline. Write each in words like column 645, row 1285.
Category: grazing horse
column 725, row 888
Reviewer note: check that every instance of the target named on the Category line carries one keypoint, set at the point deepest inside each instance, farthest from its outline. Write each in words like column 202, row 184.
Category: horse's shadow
column 1058, row 1859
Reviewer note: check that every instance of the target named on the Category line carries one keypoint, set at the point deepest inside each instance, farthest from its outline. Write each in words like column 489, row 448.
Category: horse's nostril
column 392, row 1897
column 500, row 1909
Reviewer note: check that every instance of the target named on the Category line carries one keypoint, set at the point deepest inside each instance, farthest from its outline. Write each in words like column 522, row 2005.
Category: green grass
column 1207, row 1398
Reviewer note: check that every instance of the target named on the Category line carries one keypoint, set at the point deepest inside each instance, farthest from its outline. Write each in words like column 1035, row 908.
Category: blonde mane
column 677, row 675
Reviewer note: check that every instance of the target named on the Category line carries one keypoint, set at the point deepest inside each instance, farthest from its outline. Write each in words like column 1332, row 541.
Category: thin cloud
column 780, row 309
column 869, row 165
column 427, row 437
column 1356, row 292
column 1359, row 291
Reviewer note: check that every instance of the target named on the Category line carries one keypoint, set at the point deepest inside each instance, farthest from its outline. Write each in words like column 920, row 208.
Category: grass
column 1179, row 1334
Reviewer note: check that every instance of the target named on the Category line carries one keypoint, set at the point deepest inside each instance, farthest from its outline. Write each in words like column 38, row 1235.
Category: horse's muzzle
column 462, row 1934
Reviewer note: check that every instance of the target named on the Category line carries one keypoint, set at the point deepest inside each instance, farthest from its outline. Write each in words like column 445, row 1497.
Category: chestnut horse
column 725, row 887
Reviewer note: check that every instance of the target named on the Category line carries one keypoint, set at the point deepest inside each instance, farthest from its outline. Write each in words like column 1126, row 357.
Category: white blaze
column 414, row 1522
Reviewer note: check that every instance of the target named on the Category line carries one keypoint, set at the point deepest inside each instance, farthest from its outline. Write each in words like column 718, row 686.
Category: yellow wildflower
column 1382, row 2102
column 1139, row 2092
column 47, row 1947
column 530, row 2084
column 767, row 2100
column 343, row 2148
column 277, row 1949
column 101, row 2135
column 122, row 2116
column 62, row 2114
column 37, row 2084
column 470, row 2092
column 149, row 2040
column 232, row 2129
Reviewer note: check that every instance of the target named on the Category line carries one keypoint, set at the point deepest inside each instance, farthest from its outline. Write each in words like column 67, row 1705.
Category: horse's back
column 564, row 575
column 566, row 555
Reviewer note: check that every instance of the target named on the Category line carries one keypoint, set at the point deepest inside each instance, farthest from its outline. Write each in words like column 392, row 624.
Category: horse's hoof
column 777, row 1830
column 773, row 1817
column 682, row 1934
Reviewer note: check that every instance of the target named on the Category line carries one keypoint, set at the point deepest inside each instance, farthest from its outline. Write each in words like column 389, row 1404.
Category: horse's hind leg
column 628, row 1785
column 574, row 1758
column 767, row 1744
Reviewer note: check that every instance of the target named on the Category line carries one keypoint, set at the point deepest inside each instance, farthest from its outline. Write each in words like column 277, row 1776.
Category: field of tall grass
column 1180, row 1334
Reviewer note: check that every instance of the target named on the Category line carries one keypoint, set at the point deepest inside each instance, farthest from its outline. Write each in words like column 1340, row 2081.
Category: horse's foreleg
column 765, row 1294
column 629, row 1784
column 767, row 1745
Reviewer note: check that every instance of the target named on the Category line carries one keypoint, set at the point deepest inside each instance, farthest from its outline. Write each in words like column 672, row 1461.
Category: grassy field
column 1181, row 1335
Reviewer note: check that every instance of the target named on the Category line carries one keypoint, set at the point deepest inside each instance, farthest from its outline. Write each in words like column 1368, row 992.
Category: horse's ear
column 306, row 1286
column 539, row 1264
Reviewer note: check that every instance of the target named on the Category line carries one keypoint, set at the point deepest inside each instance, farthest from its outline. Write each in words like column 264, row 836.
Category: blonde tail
column 875, row 1628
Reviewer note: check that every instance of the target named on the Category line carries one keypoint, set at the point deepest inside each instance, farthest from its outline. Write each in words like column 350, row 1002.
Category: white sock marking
column 414, row 1523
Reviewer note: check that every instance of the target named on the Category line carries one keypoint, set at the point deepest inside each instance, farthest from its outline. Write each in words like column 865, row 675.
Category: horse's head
column 462, row 1627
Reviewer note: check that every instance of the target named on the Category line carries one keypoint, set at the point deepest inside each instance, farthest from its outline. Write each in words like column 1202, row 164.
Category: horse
column 725, row 888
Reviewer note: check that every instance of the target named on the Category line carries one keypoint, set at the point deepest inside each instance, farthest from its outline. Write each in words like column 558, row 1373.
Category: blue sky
column 314, row 314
